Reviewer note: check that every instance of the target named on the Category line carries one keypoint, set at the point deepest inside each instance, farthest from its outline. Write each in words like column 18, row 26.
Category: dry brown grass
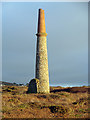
column 60, row 103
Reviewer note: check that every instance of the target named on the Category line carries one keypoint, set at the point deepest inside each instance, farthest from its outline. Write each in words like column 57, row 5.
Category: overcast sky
column 67, row 42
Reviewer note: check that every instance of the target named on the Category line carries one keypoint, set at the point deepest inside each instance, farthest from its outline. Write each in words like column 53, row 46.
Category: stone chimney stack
column 41, row 22
column 41, row 55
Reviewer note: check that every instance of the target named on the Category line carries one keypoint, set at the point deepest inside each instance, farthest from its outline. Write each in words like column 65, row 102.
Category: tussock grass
column 16, row 102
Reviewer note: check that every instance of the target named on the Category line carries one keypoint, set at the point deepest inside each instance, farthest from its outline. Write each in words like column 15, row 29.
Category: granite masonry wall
column 42, row 64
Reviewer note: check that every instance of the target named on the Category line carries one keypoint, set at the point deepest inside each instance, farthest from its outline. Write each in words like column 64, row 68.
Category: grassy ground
column 60, row 103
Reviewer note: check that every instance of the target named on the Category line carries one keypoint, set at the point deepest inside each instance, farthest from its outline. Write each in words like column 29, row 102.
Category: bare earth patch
column 60, row 103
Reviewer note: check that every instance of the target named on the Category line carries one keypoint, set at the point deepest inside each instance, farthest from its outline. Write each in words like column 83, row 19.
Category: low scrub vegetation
column 59, row 103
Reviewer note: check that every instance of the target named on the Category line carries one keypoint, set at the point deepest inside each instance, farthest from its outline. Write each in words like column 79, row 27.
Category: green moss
column 78, row 115
column 82, row 110
column 11, row 100
column 23, row 106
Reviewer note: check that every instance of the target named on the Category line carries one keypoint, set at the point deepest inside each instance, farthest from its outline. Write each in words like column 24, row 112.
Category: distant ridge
column 11, row 84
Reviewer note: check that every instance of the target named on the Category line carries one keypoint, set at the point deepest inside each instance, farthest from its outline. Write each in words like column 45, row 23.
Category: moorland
column 62, row 102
